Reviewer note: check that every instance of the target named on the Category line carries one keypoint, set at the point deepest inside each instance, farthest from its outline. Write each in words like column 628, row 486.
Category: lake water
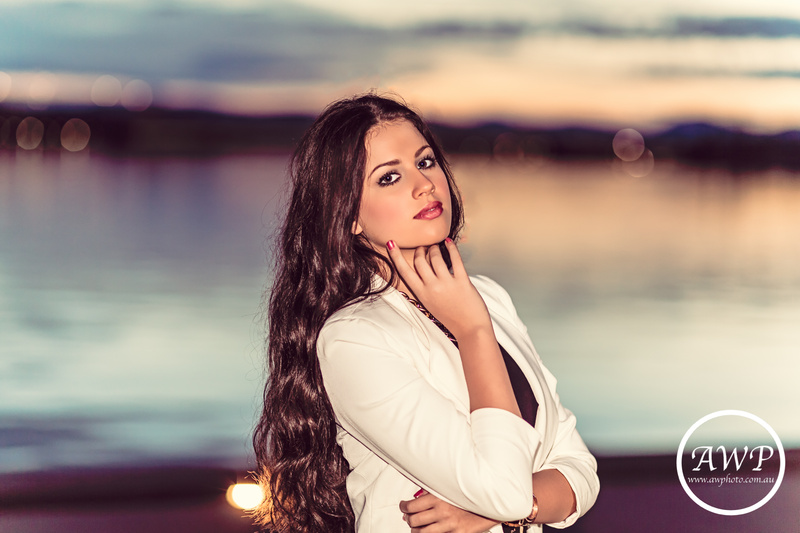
column 130, row 293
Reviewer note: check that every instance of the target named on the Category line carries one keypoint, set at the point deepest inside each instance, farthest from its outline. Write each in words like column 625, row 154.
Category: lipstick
column 430, row 211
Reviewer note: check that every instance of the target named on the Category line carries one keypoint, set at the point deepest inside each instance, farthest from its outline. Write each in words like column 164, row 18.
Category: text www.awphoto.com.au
column 729, row 479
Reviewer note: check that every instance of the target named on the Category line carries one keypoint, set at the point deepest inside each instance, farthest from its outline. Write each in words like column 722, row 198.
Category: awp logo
column 743, row 477
column 706, row 454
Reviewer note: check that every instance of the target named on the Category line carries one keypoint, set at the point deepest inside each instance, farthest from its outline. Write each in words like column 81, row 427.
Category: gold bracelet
column 528, row 520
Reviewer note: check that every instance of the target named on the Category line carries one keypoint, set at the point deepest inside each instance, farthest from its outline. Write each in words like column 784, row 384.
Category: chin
column 434, row 242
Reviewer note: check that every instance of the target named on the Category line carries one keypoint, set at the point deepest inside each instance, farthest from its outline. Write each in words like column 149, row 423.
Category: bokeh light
column 628, row 144
column 75, row 135
column 5, row 85
column 245, row 495
column 41, row 90
column 30, row 133
column 106, row 91
column 137, row 95
column 640, row 167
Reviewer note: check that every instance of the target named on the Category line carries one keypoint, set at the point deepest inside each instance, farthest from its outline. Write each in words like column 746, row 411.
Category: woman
column 402, row 393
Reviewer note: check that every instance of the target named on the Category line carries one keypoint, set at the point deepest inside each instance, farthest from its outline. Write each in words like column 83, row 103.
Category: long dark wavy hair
column 321, row 266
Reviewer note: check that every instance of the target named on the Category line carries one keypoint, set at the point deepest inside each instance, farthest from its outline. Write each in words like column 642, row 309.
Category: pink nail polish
column 448, row 239
column 419, row 493
column 390, row 245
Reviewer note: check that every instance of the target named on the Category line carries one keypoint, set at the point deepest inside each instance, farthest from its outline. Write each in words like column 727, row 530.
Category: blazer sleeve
column 568, row 454
column 481, row 462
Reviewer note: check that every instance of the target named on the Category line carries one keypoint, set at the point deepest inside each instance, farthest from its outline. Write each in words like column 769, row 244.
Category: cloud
column 43, row 432
column 200, row 44
column 680, row 72
column 288, row 43
column 686, row 27
column 120, row 436
column 774, row 28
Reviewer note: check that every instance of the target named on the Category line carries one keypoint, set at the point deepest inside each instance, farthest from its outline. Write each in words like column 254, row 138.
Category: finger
column 455, row 258
column 418, row 504
column 437, row 262
column 422, row 519
column 403, row 268
column 422, row 266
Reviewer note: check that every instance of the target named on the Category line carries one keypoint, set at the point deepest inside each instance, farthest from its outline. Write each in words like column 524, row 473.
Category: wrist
column 522, row 524
column 476, row 334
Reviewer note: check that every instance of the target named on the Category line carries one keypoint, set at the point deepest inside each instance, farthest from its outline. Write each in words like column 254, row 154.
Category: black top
column 528, row 406
column 526, row 401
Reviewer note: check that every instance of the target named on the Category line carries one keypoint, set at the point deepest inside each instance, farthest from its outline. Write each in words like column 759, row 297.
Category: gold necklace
column 428, row 314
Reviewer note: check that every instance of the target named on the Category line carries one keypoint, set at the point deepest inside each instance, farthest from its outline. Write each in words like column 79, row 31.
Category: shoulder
column 374, row 308
column 372, row 319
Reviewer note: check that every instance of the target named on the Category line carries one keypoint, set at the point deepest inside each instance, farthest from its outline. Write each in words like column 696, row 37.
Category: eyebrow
column 397, row 161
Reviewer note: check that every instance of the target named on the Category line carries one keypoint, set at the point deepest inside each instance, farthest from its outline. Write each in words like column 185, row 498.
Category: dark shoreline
column 163, row 132
column 638, row 493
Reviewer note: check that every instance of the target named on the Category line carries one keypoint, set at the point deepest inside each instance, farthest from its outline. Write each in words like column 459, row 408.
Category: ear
column 356, row 229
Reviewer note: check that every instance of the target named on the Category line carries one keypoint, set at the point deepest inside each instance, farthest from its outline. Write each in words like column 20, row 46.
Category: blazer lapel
column 439, row 361
column 520, row 349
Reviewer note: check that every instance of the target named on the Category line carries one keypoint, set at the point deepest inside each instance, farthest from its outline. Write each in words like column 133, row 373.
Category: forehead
column 395, row 136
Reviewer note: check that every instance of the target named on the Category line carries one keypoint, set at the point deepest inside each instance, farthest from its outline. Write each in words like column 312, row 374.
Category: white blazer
column 402, row 407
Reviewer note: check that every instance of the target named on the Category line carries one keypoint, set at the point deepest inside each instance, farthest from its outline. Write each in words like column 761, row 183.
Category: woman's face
column 406, row 197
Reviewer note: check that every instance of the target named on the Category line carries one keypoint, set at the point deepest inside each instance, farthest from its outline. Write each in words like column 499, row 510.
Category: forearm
column 554, row 495
column 485, row 372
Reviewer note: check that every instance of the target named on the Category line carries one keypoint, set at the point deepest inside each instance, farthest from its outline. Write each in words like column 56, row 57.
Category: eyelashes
column 427, row 162
column 392, row 176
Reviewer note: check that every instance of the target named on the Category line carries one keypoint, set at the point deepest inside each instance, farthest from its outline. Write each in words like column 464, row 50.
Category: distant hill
column 162, row 132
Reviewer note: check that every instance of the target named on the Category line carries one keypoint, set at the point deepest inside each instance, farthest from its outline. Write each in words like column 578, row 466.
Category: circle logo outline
column 717, row 510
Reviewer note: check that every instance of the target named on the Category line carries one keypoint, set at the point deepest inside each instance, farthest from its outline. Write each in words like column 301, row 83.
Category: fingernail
column 390, row 245
column 419, row 493
column 448, row 240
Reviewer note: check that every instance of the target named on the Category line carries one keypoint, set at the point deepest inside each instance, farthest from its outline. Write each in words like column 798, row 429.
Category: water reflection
column 131, row 291
column 655, row 301
column 130, row 294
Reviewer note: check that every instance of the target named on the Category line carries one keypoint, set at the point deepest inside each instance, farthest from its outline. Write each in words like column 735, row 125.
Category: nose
column 423, row 185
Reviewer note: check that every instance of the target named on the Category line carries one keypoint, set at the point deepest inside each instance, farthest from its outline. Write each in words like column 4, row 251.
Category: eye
column 390, row 178
column 426, row 162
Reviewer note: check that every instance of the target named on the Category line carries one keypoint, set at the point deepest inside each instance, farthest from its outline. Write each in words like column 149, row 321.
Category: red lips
column 430, row 211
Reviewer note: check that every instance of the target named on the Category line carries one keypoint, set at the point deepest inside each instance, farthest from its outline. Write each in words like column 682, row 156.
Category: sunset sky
column 616, row 62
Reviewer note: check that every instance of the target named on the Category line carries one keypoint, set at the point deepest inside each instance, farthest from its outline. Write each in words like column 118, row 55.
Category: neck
column 408, row 255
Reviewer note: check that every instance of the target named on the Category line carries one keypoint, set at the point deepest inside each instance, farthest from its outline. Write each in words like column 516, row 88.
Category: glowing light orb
column 640, row 167
column 106, row 91
column 137, row 95
column 30, row 133
column 245, row 495
column 628, row 144
column 75, row 135
column 41, row 91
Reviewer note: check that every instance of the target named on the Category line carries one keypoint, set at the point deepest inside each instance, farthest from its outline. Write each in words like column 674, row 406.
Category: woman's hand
column 451, row 297
column 457, row 304
column 428, row 514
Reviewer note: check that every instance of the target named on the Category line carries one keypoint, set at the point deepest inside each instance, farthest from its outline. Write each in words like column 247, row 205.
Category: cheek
column 378, row 217
column 441, row 185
